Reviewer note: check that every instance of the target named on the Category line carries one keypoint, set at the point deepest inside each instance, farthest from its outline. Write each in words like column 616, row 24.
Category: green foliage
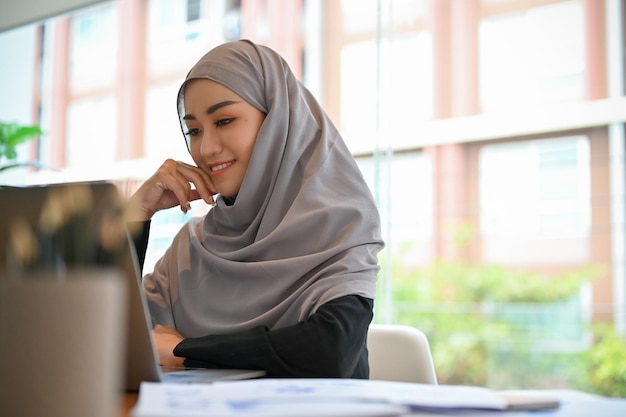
column 457, row 282
column 606, row 363
column 494, row 326
column 12, row 135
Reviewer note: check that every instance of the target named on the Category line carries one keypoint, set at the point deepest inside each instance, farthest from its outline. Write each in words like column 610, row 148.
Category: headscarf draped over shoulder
column 303, row 230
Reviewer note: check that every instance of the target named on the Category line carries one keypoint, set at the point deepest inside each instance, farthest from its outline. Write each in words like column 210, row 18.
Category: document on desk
column 309, row 397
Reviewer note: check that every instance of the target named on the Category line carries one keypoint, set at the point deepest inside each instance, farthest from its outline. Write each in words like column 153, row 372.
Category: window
column 93, row 49
column 92, row 124
column 532, row 57
column 539, row 191
column 193, row 10
column 384, row 68
column 405, row 196
column 404, row 92
column 179, row 33
column 164, row 138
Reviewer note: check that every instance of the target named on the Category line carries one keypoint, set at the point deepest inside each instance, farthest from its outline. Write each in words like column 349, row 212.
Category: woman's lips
column 220, row 167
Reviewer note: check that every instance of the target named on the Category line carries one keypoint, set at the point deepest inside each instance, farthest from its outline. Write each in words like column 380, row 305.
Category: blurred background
column 491, row 133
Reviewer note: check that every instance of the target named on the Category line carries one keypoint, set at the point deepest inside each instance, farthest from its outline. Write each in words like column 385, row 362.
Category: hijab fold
column 303, row 230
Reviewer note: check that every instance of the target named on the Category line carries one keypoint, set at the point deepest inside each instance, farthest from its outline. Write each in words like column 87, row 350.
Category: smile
column 219, row 167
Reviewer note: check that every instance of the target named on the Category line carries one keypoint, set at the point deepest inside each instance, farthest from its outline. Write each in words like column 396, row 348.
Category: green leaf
column 14, row 134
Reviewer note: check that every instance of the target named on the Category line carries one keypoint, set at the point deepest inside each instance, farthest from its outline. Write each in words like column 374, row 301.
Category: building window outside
column 193, row 10
column 360, row 17
column 91, row 113
column 232, row 20
column 91, row 126
column 93, row 50
column 397, row 92
column 164, row 138
column 535, row 191
column 532, row 57
column 406, row 201
column 385, row 72
column 174, row 42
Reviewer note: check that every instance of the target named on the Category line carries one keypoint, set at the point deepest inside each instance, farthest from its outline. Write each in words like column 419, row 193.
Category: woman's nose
column 210, row 144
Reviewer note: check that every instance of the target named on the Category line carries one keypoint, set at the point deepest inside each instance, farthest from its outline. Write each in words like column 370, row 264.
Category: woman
column 280, row 274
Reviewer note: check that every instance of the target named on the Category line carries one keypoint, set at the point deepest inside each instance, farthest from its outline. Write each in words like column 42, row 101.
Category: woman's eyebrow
column 212, row 109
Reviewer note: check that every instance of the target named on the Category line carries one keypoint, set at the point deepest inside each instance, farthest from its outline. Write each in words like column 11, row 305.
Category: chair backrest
column 400, row 353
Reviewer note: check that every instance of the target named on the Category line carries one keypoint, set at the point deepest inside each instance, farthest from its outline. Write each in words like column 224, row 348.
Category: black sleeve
column 330, row 343
column 139, row 233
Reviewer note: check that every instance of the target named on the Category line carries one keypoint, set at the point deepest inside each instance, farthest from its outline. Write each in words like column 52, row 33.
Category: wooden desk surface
column 128, row 402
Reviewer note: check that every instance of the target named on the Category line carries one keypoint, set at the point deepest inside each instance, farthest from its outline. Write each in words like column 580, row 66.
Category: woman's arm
column 169, row 186
column 139, row 233
column 330, row 343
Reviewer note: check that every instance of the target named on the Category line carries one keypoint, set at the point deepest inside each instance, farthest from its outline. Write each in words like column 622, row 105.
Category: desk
column 128, row 401
column 574, row 404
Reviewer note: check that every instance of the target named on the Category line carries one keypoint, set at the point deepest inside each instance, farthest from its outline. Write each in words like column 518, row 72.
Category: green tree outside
column 505, row 328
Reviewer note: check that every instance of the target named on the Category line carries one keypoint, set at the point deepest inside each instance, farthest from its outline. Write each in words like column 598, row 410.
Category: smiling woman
column 220, row 128
column 280, row 275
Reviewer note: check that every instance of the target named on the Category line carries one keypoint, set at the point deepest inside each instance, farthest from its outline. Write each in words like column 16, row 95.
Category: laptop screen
column 57, row 226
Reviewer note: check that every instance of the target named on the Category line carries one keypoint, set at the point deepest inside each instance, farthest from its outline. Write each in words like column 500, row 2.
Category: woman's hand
column 166, row 339
column 168, row 187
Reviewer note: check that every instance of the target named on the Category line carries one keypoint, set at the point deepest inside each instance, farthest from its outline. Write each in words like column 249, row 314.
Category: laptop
column 82, row 224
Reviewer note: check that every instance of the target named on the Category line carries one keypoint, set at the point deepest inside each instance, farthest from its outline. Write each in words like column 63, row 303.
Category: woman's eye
column 223, row 122
column 193, row 132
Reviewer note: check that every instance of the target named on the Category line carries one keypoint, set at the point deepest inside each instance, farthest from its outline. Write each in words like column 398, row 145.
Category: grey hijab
column 302, row 231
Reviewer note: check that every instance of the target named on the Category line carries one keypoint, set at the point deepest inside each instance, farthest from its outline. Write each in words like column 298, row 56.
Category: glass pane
column 89, row 143
column 93, row 52
column 175, row 43
column 404, row 94
column 535, row 56
column 535, row 201
column 164, row 138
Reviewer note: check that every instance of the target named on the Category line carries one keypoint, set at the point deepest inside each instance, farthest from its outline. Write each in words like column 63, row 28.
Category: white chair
column 400, row 353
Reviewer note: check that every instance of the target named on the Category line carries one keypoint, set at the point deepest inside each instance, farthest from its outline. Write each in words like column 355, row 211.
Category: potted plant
column 12, row 135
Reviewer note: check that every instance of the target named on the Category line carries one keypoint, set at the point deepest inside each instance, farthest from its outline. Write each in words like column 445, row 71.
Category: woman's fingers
column 186, row 175
column 169, row 186
column 201, row 181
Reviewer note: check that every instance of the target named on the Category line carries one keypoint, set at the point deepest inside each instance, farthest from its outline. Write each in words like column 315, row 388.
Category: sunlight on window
column 175, row 43
column 91, row 126
column 387, row 98
column 534, row 191
column 164, row 137
column 532, row 57
column 93, row 52
column 407, row 201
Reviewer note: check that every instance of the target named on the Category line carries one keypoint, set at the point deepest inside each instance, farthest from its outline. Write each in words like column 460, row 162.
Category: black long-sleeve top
column 330, row 343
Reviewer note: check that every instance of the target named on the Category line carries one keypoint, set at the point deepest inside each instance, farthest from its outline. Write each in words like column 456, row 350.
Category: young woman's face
column 221, row 131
